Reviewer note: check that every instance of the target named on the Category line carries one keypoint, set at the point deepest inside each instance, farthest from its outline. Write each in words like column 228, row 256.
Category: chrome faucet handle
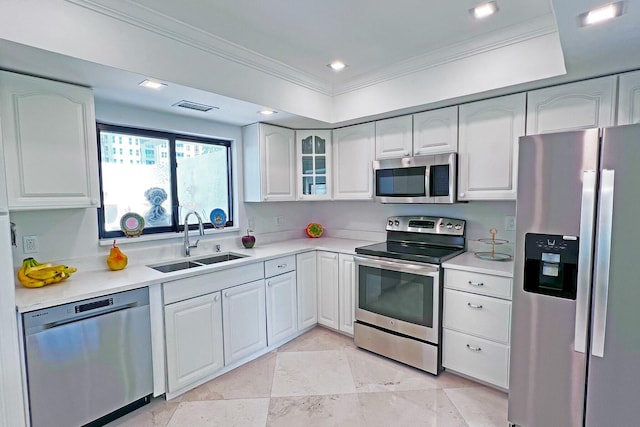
column 195, row 245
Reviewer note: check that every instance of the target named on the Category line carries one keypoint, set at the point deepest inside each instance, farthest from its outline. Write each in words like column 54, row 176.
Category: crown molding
column 165, row 26
column 455, row 52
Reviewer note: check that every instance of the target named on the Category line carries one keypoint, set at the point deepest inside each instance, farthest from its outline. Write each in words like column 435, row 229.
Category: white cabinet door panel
column 581, row 105
column 629, row 104
column 488, row 148
column 394, row 137
column 282, row 315
column 193, row 340
column 50, row 145
column 484, row 317
column 244, row 320
column 347, row 292
column 307, row 289
column 476, row 357
column 436, row 131
column 353, row 154
column 328, row 289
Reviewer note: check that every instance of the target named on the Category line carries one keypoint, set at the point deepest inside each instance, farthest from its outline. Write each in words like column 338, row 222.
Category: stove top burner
column 419, row 238
column 410, row 252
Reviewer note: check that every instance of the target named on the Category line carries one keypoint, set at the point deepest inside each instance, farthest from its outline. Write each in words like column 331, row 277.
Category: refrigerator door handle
column 603, row 258
column 585, row 259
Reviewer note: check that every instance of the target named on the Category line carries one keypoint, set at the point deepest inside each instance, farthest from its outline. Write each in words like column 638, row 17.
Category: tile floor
column 322, row 379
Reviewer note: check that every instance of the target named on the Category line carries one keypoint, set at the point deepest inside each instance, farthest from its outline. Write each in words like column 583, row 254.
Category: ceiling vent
column 194, row 106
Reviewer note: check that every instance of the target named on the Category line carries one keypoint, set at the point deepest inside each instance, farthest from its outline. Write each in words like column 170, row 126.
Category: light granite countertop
column 469, row 262
column 95, row 283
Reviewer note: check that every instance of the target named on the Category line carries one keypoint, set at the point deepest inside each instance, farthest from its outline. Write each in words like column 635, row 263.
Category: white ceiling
column 293, row 40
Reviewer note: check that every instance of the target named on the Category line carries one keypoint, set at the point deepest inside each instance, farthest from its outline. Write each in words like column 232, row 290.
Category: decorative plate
column 131, row 224
column 218, row 217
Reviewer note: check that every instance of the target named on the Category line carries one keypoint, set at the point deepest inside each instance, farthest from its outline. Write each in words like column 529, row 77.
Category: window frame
column 171, row 138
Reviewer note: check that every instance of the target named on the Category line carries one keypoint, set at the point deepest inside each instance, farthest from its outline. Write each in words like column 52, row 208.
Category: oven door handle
column 398, row 265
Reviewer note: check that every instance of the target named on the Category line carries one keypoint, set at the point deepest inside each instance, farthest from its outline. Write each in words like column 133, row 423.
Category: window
column 161, row 185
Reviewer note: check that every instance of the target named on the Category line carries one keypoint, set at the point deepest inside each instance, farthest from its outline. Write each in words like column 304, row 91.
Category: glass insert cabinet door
column 314, row 164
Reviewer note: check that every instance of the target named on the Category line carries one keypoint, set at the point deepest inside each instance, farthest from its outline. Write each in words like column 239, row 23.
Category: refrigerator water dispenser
column 551, row 265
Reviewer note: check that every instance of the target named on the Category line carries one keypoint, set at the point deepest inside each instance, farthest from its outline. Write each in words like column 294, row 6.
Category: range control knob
column 457, row 226
column 449, row 225
column 441, row 224
column 396, row 222
column 390, row 222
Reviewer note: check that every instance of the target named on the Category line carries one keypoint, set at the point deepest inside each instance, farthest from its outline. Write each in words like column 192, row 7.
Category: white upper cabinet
column 313, row 149
column 269, row 163
column 394, row 137
column 488, row 148
column 580, row 105
column 629, row 103
column 353, row 154
column 50, row 145
column 436, row 131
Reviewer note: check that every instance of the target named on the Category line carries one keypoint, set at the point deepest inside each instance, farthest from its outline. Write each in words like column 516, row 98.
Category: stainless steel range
column 399, row 296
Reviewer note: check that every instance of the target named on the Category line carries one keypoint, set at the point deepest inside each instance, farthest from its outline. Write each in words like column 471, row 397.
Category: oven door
column 400, row 296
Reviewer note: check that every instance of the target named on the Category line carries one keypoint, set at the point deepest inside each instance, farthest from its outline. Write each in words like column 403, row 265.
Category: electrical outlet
column 30, row 244
column 279, row 220
column 510, row 223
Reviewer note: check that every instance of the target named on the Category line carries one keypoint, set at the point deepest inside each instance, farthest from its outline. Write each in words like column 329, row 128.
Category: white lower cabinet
column 483, row 359
column 244, row 320
column 347, row 292
column 282, row 315
column 336, row 291
column 477, row 325
column 307, row 290
column 193, row 332
column 328, row 289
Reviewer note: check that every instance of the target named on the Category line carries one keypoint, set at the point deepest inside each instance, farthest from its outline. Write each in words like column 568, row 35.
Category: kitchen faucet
column 187, row 245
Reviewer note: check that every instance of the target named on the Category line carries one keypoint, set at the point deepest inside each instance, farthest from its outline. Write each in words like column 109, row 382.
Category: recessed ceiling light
column 600, row 14
column 152, row 85
column 337, row 65
column 483, row 10
column 267, row 112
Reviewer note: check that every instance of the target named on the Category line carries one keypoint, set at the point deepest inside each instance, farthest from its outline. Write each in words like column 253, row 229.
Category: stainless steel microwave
column 419, row 179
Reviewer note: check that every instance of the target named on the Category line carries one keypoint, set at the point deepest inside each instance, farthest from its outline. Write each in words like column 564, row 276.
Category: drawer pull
column 282, row 266
column 478, row 306
column 476, row 283
column 472, row 348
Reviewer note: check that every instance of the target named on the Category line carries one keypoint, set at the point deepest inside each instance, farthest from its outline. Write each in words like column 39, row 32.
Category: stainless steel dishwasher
column 88, row 361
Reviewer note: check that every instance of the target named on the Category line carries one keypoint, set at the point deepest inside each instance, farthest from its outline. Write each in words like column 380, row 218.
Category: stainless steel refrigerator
column 575, row 337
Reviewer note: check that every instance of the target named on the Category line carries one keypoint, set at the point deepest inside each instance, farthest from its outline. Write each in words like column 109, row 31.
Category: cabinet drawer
column 478, row 283
column 478, row 358
column 284, row 264
column 190, row 287
column 477, row 315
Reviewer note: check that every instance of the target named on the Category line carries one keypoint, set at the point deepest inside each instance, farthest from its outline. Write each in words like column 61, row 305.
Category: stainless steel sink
column 168, row 267
column 220, row 258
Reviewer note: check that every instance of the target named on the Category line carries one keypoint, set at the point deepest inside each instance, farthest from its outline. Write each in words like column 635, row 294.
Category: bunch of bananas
column 33, row 274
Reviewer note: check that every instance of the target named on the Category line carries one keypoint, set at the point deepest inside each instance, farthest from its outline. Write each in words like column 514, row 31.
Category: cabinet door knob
column 269, row 284
column 227, row 294
column 216, row 297
column 94, row 201
column 461, row 195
